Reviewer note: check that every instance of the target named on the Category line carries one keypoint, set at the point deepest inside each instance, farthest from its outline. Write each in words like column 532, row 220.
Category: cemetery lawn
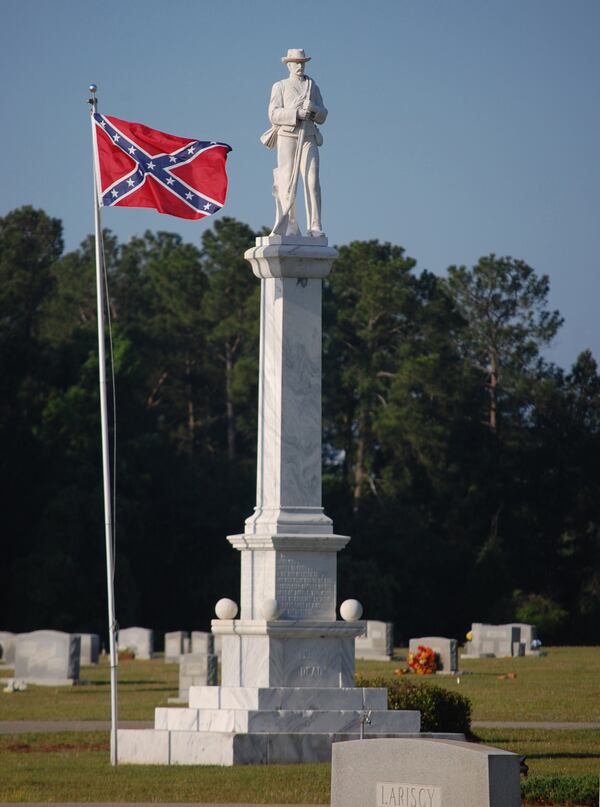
column 69, row 766
column 143, row 685
column 561, row 686
column 76, row 767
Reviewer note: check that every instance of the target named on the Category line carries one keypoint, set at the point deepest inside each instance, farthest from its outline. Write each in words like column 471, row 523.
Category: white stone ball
column 270, row 609
column 351, row 610
column 226, row 609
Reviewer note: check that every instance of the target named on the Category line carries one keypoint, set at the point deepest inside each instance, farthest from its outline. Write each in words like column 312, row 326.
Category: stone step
column 293, row 721
column 270, row 698
column 151, row 747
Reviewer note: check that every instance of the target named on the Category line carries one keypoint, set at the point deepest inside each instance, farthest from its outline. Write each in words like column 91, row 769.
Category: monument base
column 150, row 747
column 255, row 726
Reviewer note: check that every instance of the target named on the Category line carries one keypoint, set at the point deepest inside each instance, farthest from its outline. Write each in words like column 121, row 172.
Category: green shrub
column 535, row 609
column 440, row 709
column 571, row 791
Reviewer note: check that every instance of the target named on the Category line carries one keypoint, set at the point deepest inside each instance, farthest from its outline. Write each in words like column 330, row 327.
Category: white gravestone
column 139, row 640
column 378, row 642
column 203, row 643
column 423, row 773
column 90, row 648
column 175, row 645
column 446, row 651
column 501, row 641
column 195, row 671
column 7, row 647
column 47, row 657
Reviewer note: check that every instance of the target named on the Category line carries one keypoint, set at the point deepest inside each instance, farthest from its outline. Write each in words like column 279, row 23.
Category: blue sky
column 456, row 128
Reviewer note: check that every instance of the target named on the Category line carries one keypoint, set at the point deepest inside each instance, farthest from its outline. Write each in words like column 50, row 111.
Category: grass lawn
column 143, row 685
column 75, row 767
column 562, row 686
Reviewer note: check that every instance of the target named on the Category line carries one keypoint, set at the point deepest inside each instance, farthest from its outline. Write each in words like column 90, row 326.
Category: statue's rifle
column 297, row 157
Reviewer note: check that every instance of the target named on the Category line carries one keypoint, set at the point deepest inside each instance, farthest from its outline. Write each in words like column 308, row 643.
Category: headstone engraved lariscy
column 47, row 657
column 287, row 662
column 423, row 773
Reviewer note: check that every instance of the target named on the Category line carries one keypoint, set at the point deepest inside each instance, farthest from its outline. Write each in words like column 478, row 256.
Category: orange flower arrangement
column 423, row 661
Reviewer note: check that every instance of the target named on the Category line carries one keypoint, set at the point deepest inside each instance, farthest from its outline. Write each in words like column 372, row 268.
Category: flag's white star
column 213, row 142
column 172, row 159
column 170, row 181
column 191, row 150
column 151, row 165
column 189, row 195
column 131, row 183
column 131, row 150
column 207, row 206
column 115, row 194
column 103, row 124
column 116, row 138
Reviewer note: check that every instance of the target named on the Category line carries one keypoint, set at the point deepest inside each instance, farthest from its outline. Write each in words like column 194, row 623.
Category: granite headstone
column 175, row 645
column 139, row 640
column 446, row 651
column 377, row 643
column 203, row 642
column 423, row 773
column 197, row 670
column 47, row 657
column 501, row 641
column 7, row 647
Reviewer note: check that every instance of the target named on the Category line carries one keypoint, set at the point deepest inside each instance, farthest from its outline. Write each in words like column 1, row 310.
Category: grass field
column 562, row 686
column 75, row 767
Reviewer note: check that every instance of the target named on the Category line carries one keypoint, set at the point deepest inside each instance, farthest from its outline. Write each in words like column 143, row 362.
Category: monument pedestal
column 287, row 686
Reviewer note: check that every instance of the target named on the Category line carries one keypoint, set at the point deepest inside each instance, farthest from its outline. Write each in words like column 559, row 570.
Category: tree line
column 462, row 463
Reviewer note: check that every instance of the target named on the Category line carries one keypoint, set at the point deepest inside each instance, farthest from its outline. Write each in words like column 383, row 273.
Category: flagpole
column 108, row 526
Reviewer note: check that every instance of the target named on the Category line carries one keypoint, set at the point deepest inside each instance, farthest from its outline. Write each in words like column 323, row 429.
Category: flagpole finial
column 92, row 100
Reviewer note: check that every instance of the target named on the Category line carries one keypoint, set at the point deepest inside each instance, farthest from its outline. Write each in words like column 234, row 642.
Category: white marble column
column 288, row 549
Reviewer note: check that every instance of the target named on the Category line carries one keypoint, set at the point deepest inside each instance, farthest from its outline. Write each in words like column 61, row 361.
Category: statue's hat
column 295, row 55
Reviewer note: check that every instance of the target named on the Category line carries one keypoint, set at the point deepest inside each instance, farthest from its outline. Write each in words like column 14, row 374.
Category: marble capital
column 289, row 542
column 291, row 256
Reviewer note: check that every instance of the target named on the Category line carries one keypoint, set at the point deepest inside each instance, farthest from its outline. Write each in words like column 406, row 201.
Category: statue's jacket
column 287, row 96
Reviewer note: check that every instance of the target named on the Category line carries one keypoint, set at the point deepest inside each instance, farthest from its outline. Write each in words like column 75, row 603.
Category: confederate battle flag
column 141, row 167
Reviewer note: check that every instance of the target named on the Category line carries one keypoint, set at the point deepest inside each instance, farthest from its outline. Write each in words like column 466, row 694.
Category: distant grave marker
column 47, row 657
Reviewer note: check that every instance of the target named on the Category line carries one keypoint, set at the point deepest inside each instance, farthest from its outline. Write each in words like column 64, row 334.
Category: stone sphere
column 226, row 609
column 351, row 610
column 270, row 609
